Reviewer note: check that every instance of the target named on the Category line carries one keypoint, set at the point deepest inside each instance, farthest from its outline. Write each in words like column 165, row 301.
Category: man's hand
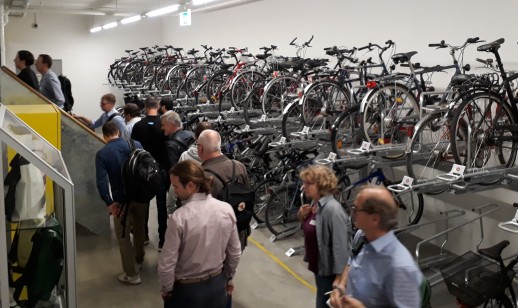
column 336, row 298
column 115, row 209
column 304, row 210
column 165, row 295
column 230, row 287
column 349, row 302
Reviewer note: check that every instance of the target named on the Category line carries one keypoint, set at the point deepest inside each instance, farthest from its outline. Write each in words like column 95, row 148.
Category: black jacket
column 29, row 77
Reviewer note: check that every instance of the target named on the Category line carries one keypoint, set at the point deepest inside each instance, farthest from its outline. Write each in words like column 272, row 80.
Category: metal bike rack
column 442, row 256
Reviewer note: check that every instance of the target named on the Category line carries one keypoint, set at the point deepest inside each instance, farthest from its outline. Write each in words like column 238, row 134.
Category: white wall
column 86, row 56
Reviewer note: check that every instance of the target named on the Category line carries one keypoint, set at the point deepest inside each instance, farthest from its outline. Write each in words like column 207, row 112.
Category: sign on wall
column 185, row 18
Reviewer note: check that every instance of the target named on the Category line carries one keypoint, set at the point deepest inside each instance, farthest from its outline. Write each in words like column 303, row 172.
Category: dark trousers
column 206, row 294
column 324, row 285
column 161, row 198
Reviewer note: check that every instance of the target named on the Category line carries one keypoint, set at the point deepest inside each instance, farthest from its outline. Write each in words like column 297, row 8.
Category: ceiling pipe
column 75, row 12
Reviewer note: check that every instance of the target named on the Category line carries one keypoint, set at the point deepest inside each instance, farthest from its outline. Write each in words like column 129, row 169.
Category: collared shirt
column 131, row 123
column 201, row 239
column 108, row 166
column 384, row 274
column 50, row 87
column 118, row 120
column 333, row 237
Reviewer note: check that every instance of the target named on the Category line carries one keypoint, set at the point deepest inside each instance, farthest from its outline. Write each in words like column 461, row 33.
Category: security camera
column 34, row 25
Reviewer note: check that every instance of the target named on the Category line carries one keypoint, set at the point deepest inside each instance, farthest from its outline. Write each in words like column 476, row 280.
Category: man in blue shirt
column 381, row 272
column 50, row 86
column 108, row 165
column 110, row 114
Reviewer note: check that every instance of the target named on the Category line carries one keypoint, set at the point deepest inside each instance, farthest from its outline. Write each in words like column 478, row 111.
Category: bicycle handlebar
column 307, row 43
column 293, row 42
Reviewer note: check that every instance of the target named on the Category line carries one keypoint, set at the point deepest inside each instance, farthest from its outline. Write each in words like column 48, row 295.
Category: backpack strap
column 113, row 116
column 217, row 176
column 180, row 140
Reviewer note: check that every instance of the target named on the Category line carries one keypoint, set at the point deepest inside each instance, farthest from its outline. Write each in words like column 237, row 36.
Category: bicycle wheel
column 345, row 133
column 410, row 208
column 281, row 210
column 277, row 93
column 176, row 77
column 321, row 101
column 263, row 192
column 196, row 77
column 214, row 88
column 429, row 152
column 480, row 125
column 389, row 115
column 242, row 85
column 292, row 120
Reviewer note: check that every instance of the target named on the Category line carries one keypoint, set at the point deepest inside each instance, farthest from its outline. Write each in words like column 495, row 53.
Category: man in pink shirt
column 202, row 249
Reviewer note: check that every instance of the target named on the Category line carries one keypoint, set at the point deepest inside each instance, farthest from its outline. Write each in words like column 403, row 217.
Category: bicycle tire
column 215, row 84
column 409, row 213
column 431, row 136
column 263, row 191
column 495, row 111
column 291, row 120
column 276, row 93
column 281, row 210
column 176, row 76
column 242, row 85
column 321, row 100
column 382, row 110
column 345, row 132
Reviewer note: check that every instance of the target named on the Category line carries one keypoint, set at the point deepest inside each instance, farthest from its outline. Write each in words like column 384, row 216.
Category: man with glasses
column 110, row 114
column 381, row 271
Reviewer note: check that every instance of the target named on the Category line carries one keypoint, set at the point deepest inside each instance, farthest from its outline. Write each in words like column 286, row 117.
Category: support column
column 3, row 22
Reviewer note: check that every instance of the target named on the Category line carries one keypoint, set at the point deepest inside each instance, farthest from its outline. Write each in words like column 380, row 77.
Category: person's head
column 318, row 181
column 151, row 106
column 166, row 104
column 108, row 102
column 171, row 123
column 110, row 131
column 375, row 210
column 23, row 59
column 131, row 111
column 188, row 178
column 43, row 63
column 200, row 128
column 209, row 144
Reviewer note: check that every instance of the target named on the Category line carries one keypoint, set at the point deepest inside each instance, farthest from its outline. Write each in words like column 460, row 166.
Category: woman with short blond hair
column 326, row 229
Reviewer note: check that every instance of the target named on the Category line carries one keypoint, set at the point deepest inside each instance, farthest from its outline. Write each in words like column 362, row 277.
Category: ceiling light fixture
column 131, row 19
column 162, row 11
column 200, row 2
column 110, row 25
column 96, row 29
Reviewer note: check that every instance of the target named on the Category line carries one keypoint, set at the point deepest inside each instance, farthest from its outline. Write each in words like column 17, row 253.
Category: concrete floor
column 260, row 281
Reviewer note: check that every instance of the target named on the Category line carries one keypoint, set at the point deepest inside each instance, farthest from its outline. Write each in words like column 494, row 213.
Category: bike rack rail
column 429, row 262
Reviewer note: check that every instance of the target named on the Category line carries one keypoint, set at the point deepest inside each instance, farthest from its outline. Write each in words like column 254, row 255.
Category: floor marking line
column 282, row 264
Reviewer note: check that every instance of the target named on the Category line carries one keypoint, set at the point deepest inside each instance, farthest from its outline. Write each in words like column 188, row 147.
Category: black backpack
column 66, row 88
column 140, row 175
column 239, row 196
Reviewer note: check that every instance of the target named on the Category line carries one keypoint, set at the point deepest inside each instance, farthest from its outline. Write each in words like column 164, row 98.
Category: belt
column 197, row 280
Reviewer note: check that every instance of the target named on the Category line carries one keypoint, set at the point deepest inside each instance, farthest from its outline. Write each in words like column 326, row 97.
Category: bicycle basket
column 474, row 279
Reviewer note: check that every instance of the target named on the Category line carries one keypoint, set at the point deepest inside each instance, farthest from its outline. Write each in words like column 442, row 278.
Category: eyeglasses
column 354, row 208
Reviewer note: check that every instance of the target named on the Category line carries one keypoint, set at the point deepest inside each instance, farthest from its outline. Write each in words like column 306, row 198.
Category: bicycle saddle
column 403, row 57
column 457, row 80
column 177, row 49
column 495, row 251
column 263, row 56
column 491, row 46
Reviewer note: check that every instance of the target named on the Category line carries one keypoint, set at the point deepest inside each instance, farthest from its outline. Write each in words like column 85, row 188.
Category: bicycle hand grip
column 473, row 40
column 434, row 45
column 389, row 42
column 293, row 42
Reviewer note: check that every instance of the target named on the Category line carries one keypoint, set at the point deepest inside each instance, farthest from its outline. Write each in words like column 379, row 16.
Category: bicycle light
column 371, row 84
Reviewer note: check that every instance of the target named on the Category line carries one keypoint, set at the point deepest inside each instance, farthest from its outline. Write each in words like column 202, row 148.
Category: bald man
column 381, row 272
column 209, row 151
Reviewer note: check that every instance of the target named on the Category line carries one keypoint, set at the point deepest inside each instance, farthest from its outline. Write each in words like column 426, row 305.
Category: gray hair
column 172, row 117
column 210, row 140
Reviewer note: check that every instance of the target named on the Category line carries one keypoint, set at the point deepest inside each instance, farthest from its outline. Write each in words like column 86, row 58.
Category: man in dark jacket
column 23, row 61
column 108, row 165
column 178, row 140
column 148, row 132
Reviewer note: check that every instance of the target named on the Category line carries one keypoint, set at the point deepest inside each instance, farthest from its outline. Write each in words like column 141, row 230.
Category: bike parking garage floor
column 265, row 277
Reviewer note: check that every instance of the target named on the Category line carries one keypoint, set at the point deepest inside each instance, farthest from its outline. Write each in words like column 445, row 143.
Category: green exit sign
column 185, row 18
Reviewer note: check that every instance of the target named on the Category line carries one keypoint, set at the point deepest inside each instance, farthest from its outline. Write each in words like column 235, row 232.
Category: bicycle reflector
column 371, row 84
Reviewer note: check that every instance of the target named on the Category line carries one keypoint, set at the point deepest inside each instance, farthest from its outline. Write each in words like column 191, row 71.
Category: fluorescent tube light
column 200, row 2
column 96, row 29
column 164, row 10
column 131, row 19
column 110, row 25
